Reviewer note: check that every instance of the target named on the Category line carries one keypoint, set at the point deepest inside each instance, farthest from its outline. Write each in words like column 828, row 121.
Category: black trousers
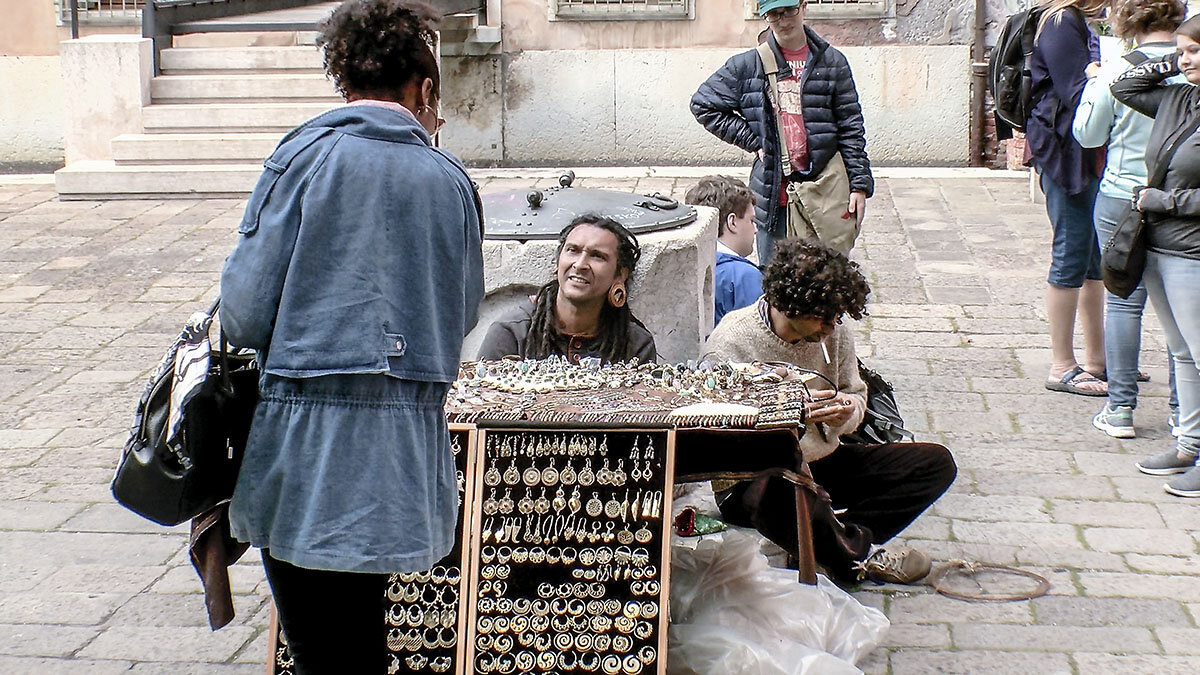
column 333, row 621
column 883, row 488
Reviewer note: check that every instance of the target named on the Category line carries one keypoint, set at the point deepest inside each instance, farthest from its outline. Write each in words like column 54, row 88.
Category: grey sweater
column 743, row 336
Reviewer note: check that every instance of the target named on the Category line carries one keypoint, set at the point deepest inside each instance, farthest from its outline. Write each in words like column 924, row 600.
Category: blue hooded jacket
column 360, row 252
column 737, row 282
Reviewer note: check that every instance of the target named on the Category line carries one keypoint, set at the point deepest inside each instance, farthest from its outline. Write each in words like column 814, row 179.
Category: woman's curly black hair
column 807, row 278
column 614, row 321
column 1131, row 18
column 373, row 48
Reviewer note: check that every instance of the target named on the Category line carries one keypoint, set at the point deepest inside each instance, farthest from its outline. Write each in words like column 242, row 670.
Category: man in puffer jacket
column 821, row 116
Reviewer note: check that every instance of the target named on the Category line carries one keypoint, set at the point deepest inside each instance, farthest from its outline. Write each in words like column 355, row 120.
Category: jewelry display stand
column 570, row 568
column 561, row 560
column 425, row 610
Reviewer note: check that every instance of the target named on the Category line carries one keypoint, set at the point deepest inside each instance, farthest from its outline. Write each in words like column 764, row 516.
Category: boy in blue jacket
column 737, row 282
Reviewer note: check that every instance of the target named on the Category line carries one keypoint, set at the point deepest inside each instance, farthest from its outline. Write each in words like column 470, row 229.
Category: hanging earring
column 617, row 294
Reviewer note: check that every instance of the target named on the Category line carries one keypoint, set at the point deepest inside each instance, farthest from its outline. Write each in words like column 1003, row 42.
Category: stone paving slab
column 92, row 292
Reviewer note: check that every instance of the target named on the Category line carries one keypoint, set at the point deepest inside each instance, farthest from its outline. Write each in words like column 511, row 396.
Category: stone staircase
column 216, row 113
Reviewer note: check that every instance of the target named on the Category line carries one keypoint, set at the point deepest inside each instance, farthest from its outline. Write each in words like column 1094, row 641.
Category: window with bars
column 623, row 10
column 834, row 9
column 117, row 12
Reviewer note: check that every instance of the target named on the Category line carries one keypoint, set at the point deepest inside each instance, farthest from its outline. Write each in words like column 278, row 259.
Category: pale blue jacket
column 360, row 252
column 1101, row 119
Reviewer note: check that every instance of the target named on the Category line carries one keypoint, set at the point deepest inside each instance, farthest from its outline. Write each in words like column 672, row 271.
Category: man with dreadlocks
column 583, row 311
column 878, row 489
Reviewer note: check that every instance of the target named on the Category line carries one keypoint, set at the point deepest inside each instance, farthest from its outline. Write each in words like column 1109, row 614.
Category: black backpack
column 1009, row 78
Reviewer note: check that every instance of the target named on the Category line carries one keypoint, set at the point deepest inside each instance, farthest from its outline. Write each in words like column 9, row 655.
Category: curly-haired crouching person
column 808, row 288
column 584, row 311
column 358, row 272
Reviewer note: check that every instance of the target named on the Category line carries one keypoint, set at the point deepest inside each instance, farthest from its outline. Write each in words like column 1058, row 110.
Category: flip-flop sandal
column 1142, row 376
column 1071, row 380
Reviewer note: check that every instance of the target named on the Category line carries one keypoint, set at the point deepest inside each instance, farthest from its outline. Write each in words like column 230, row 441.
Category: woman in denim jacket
column 1172, row 234
column 1100, row 120
column 358, row 272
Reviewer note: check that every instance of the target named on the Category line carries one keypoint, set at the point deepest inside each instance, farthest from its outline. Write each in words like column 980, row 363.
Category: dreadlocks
column 614, row 321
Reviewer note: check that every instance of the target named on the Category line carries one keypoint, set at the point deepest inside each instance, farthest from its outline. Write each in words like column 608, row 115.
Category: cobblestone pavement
column 92, row 292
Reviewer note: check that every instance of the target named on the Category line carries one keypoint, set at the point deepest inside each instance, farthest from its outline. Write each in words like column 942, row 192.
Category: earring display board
column 570, row 565
column 424, row 613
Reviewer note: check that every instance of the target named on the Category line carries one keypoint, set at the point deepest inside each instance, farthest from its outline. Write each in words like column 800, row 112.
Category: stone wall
column 630, row 107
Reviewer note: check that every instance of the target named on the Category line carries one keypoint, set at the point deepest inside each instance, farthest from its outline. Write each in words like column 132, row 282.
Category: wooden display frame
column 665, row 477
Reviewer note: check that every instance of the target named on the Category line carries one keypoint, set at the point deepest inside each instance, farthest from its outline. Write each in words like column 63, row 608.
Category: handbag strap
column 771, row 68
column 1160, row 169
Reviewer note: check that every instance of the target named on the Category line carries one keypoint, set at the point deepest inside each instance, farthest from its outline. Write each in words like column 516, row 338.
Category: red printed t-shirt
column 790, row 105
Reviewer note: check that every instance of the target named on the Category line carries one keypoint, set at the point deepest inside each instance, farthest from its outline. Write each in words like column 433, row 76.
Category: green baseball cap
column 765, row 6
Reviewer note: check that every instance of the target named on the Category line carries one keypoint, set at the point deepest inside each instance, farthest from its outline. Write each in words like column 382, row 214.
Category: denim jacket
column 360, row 252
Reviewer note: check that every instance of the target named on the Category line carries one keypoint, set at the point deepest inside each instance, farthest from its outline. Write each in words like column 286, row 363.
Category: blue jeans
column 1171, row 283
column 1075, row 256
column 1123, row 320
column 765, row 240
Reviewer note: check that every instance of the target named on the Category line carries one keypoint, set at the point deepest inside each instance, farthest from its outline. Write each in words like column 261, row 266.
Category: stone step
column 106, row 180
column 243, row 87
column 213, row 148
column 229, row 117
column 199, row 60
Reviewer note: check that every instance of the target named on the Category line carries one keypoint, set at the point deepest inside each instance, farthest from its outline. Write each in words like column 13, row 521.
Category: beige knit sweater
column 743, row 336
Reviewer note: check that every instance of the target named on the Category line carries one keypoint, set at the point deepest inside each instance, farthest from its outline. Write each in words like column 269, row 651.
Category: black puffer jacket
column 733, row 105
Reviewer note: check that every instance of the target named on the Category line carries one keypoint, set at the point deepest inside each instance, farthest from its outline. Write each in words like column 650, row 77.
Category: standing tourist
column 820, row 116
column 1172, row 235
column 1101, row 120
column 358, row 272
column 1065, row 48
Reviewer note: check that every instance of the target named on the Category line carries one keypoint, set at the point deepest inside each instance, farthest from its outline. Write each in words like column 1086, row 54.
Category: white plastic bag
column 732, row 614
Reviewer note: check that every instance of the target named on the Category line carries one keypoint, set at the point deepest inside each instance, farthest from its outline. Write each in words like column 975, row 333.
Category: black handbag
column 1123, row 257
column 190, row 428
column 882, row 422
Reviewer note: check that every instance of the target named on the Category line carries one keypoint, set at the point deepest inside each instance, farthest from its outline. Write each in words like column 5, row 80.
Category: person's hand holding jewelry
column 829, row 407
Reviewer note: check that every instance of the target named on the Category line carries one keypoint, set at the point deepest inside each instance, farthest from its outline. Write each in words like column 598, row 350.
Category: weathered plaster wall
column 31, row 113
column 31, row 117
column 611, row 107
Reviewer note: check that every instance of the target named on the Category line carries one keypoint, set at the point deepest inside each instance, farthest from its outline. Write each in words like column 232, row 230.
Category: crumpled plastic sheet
column 732, row 614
